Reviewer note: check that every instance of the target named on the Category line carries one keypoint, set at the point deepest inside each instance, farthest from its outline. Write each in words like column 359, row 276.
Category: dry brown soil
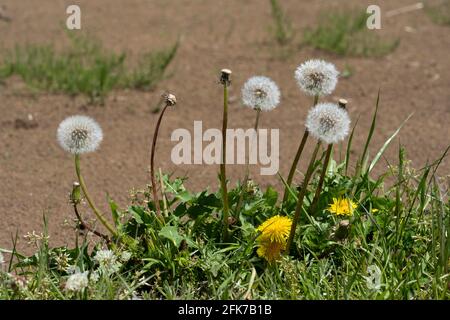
column 36, row 174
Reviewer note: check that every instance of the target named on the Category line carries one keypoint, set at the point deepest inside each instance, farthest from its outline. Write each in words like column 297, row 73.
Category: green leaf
column 171, row 233
column 114, row 211
column 271, row 196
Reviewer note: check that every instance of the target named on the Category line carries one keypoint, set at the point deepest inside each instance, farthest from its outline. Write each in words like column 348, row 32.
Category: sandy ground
column 36, row 174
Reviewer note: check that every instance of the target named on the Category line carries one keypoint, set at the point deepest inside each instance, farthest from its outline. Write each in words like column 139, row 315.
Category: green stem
column 297, row 157
column 247, row 166
column 301, row 197
column 223, row 177
column 294, row 164
column 89, row 200
column 152, row 163
column 322, row 178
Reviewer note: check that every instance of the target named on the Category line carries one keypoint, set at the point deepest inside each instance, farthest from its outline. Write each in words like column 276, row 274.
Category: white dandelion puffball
column 77, row 281
column 260, row 93
column 328, row 122
column 2, row 259
column 79, row 134
column 317, row 77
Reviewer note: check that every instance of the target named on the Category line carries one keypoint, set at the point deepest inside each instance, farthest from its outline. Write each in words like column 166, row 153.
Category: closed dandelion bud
column 342, row 230
column 317, row 77
column 75, row 195
column 260, row 93
column 328, row 122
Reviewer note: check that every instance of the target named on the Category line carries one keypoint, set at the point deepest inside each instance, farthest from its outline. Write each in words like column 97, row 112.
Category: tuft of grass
column 346, row 33
column 85, row 67
column 282, row 28
column 439, row 14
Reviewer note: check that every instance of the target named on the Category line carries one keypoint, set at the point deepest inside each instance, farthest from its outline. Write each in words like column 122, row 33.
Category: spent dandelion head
column 261, row 93
column 79, row 134
column 317, row 77
column 342, row 206
column 328, row 122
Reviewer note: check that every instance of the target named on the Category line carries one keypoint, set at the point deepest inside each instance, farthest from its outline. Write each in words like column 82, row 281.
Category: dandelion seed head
column 77, row 281
column 79, row 134
column 261, row 93
column 317, row 77
column 2, row 259
column 328, row 123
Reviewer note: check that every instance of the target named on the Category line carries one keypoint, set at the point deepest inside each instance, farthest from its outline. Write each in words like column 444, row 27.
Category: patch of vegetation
column 394, row 244
column 440, row 14
column 282, row 28
column 346, row 33
column 85, row 67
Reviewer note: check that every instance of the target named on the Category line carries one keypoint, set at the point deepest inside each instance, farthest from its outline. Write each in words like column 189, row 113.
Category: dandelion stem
column 322, row 178
column 223, row 178
column 247, row 166
column 301, row 196
column 297, row 158
column 152, row 162
column 83, row 225
column 89, row 200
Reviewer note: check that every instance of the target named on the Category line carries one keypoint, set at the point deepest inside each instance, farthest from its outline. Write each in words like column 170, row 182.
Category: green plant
column 345, row 33
column 85, row 67
column 439, row 14
column 282, row 28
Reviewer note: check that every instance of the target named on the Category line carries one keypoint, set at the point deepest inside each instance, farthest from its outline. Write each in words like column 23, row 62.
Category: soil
column 36, row 174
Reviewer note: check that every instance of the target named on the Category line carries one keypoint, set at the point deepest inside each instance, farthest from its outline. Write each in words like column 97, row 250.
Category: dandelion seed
column 317, row 77
column 77, row 281
column 79, row 134
column 341, row 206
column 373, row 280
column 328, row 123
column 261, row 93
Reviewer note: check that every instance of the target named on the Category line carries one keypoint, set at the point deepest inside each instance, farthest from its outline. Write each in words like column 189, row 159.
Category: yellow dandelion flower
column 341, row 206
column 275, row 229
column 271, row 251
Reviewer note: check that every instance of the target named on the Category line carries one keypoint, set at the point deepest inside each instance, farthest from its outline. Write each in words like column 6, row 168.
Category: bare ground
column 36, row 174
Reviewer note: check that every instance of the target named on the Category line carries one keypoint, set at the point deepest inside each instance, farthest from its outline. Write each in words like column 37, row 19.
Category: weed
column 345, row 33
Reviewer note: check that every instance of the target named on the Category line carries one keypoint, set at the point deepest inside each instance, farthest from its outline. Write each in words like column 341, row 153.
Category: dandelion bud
column 328, row 123
column 317, row 77
column 260, row 93
column 75, row 195
column 79, row 134
column 225, row 77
